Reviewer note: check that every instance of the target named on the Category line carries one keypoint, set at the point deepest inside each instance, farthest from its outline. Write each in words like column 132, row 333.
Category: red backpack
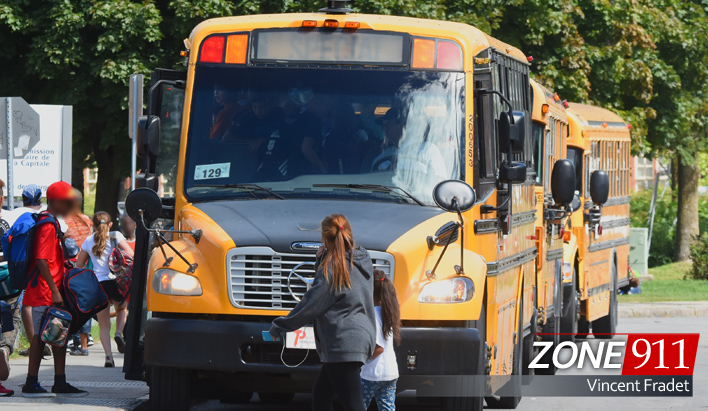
column 121, row 266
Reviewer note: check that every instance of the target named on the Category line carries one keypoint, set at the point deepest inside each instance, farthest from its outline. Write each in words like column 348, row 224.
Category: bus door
column 166, row 102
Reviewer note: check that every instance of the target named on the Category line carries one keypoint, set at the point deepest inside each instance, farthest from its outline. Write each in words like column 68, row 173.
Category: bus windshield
column 307, row 132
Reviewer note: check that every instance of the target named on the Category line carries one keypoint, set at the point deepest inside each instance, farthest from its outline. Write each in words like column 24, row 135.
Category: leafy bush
column 664, row 233
column 699, row 256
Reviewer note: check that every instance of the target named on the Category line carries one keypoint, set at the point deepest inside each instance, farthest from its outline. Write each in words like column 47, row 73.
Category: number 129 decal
column 209, row 171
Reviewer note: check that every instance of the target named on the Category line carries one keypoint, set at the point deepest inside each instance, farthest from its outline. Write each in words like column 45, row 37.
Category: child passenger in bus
column 380, row 374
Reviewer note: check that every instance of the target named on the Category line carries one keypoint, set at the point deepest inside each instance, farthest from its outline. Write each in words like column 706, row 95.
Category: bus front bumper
column 429, row 359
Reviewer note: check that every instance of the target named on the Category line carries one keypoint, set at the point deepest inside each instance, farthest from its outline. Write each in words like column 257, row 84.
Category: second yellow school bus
column 597, row 257
column 287, row 118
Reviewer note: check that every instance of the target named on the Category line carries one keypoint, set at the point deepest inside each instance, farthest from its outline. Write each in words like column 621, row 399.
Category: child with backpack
column 45, row 273
column 98, row 248
column 380, row 374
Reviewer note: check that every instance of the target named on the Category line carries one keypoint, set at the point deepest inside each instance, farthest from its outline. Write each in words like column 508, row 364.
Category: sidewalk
column 664, row 309
column 107, row 388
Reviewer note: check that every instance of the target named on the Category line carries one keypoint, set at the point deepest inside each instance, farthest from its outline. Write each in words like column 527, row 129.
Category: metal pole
column 135, row 110
column 10, row 184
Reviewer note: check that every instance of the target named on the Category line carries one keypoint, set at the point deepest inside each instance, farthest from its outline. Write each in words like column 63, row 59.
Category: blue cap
column 32, row 195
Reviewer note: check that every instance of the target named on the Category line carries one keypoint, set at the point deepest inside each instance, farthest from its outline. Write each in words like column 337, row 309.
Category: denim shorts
column 38, row 316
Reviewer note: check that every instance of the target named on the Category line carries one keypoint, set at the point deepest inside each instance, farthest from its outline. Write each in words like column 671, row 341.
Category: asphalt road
column 406, row 401
column 109, row 391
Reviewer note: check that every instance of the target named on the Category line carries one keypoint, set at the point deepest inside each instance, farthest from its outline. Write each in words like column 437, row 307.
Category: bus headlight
column 170, row 282
column 452, row 290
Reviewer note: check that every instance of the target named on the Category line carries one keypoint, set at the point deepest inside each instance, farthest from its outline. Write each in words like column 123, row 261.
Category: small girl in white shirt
column 380, row 374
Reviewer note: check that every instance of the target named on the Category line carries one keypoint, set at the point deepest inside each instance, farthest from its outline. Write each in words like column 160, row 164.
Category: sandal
column 109, row 362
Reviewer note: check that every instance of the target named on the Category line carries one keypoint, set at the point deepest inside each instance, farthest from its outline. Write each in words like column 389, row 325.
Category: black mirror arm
column 162, row 240
column 459, row 269
column 502, row 97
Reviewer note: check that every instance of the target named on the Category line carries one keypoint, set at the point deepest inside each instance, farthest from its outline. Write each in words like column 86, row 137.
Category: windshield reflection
column 298, row 131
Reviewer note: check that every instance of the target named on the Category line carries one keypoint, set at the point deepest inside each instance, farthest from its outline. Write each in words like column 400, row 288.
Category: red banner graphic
column 660, row 354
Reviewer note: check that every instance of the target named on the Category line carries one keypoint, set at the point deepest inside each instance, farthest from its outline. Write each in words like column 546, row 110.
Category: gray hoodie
column 345, row 322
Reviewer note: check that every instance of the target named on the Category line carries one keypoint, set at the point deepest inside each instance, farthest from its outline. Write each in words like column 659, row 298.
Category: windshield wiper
column 244, row 186
column 375, row 187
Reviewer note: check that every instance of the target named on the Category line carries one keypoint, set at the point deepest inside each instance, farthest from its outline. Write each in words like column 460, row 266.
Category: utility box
column 638, row 252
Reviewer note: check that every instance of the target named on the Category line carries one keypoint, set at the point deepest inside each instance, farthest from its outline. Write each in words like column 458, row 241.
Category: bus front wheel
column 472, row 403
column 169, row 389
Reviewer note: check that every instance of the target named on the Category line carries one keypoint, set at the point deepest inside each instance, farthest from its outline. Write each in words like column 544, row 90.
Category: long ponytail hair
column 337, row 239
column 101, row 220
column 385, row 294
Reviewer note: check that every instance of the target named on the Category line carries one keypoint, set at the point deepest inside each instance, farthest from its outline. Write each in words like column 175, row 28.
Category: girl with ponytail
column 98, row 248
column 380, row 374
column 340, row 304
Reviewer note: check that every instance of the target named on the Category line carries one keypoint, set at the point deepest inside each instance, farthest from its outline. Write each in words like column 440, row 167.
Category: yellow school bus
column 597, row 256
column 549, row 136
column 416, row 130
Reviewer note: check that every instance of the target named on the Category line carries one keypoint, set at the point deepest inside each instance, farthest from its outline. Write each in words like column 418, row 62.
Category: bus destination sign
column 334, row 47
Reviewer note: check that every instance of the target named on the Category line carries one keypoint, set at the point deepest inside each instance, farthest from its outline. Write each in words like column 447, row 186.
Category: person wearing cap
column 31, row 203
column 48, row 259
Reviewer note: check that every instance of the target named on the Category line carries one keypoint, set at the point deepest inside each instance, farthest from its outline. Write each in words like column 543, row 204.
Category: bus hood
column 279, row 224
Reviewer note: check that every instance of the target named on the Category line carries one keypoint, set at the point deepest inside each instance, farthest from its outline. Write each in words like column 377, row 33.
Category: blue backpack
column 83, row 296
column 18, row 248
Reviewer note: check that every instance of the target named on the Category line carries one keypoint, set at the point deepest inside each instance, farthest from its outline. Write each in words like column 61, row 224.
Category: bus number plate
column 303, row 339
column 210, row 171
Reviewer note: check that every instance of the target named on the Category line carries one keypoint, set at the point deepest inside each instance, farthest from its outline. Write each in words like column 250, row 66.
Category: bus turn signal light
column 309, row 23
column 423, row 53
column 212, row 50
column 236, row 47
column 544, row 108
column 331, row 24
column 566, row 236
column 352, row 25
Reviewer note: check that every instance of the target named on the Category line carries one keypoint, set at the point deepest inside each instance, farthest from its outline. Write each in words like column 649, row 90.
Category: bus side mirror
column 143, row 205
column 512, row 133
column 563, row 182
column 143, row 180
column 599, row 187
column 454, row 196
column 514, row 172
column 149, row 136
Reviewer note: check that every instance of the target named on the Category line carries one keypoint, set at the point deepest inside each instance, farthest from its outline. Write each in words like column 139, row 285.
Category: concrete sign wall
column 42, row 160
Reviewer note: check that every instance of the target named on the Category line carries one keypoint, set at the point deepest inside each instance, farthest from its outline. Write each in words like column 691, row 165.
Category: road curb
column 662, row 310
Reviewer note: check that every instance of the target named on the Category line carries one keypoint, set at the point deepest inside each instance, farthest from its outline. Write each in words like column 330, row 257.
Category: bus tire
column 552, row 326
column 569, row 320
column 472, row 403
column 169, row 389
column 510, row 403
column 608, row 324
column 279, row 398
column 528, row 349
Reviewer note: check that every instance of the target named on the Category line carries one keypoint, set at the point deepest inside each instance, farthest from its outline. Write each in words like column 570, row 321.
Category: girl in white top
column 380, row 374
column 98, row 247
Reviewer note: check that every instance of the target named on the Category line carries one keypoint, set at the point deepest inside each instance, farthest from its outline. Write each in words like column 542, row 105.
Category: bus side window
column 485, row 133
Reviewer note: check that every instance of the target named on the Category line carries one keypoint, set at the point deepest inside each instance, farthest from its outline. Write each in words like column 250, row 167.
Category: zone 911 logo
column 643, row 354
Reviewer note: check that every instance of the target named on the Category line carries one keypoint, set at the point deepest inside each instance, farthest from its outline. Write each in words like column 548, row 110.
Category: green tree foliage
column 644, row 59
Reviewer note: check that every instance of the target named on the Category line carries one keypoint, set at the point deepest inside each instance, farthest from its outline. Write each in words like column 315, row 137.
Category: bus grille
column 258, row 276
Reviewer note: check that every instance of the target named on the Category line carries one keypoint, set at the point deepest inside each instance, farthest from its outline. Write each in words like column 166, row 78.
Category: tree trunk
column 108, row 182
column 687, row 225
